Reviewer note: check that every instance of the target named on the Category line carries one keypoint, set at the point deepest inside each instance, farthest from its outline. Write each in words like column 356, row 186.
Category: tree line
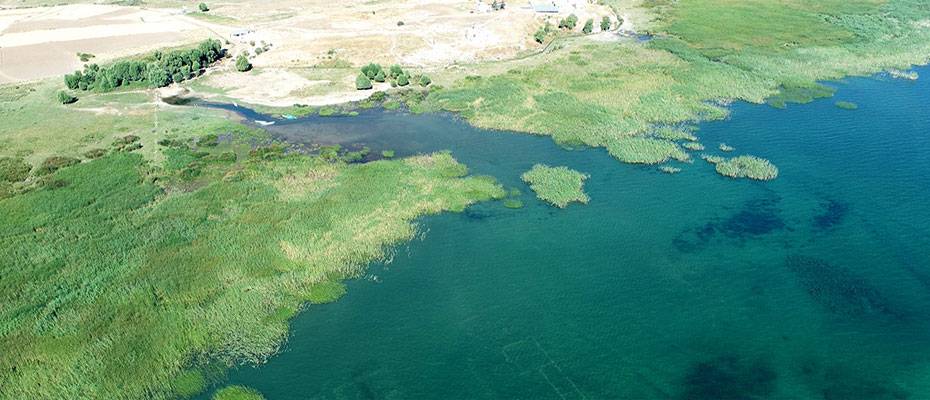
column 158, row 69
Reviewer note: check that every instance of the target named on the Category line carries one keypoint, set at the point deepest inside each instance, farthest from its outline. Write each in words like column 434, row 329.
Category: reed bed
column 558, row 186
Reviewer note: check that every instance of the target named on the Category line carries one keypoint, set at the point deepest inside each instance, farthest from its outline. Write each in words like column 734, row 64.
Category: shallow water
column 815, row 285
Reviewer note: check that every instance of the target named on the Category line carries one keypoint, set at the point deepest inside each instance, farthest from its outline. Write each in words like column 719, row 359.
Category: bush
column 371, row 70
column 605, row 23
column 588, row 26
column 540, row 35
column 55, row 163
column 569, row 22
column 380, row 77
column 395, row 71
column 66, row 98
column 13, row 169
column 362, row 82
column 203, row 7
column 403, row 80
column 425, row 81
column 243, row 64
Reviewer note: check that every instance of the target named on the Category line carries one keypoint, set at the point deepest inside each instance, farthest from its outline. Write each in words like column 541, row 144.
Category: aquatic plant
column 670, row 133
column 729, row 377
column 513, row 203
column 712, row 158
column 558, row 186
column 751, row 167
column 846, row 105
column 833, row 214
column 694, row 146
column 839, row 291
column 387, row 153
column 726, row 148
column 643, row 150
column 170, row 274
column 669, row 169
column 237, row 393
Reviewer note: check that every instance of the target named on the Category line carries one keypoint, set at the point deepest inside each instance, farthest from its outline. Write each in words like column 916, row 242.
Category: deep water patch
column 834, row 212
column 839, row 291
column 729, row 377
column 756, row 218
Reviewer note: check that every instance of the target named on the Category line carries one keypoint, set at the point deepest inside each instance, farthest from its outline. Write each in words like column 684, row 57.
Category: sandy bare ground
column 43, row 42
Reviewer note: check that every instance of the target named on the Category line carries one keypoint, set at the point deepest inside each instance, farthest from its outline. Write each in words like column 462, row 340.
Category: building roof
column 545, row 8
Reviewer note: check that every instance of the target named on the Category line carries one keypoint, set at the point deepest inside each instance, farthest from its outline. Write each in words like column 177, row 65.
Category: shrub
column 13, row 169
column 569, row 22
column 395, row 71
column 403, row 80
column 243, row 64
column 380, row 77
column 425, row 81
column 371, row 70
column 203, row 7
column 66, row 98
column 540, row 35
column 362, row 82
column 55, row 163
column 605, row 23
column 400, row 23
column 588, row 26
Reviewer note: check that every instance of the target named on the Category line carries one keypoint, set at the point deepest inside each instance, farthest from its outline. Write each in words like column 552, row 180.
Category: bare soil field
column 43, row 42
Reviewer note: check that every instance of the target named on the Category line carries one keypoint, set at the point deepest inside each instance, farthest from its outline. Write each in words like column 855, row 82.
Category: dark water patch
column 834, row 212
column 755, row 218
column 729, row 377
column 831, row 381
column 839, row 290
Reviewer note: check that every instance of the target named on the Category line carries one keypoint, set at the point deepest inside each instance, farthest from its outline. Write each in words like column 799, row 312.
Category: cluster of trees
column 568, row 22
column 158, row 69
column 395, row 74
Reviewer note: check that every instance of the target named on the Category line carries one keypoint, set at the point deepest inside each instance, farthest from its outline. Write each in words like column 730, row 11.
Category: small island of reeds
column 558, row 186
column 751, row 167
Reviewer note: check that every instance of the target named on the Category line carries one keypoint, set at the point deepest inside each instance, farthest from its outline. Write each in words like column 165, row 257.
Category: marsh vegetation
column 558, row 186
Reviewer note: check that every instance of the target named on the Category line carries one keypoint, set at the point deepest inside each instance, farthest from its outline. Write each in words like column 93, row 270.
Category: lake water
column 693, row 286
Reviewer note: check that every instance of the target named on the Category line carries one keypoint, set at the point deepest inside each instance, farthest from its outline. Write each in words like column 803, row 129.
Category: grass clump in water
column 694, row 146
column 557, row 185
column 237, row 393
column 669, row 169
column 751, row 167
column 846, row 105
column 642, row 150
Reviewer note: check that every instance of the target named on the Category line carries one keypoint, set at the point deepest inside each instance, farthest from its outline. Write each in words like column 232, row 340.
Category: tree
column 569, row 22
column 396, row 71
column 203, row 7
column 605, row 23
column 425, row 81
column 243, row 64
column 403, row 80
column 157, row 76
column 66, row 98
column 371, row 70
column 362, row 82
column 588, row 26
column 380, row 77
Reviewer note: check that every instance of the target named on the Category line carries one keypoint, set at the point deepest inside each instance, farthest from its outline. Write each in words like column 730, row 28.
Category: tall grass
column 557, row 185
column 751, row 167
column 115, row 286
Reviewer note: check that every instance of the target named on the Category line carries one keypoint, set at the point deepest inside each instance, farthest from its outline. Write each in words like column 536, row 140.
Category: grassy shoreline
column 182, row 244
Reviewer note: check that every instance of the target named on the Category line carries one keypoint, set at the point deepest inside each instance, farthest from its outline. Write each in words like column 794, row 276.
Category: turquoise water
column 693, row 286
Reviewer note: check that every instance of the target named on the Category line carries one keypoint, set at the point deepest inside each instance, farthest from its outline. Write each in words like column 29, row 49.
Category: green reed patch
column 751, row 167
column 237, row 393
column 557, row 185
column 117, row 283
column 846, row 105
column 13, row 169
column 643, row 150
